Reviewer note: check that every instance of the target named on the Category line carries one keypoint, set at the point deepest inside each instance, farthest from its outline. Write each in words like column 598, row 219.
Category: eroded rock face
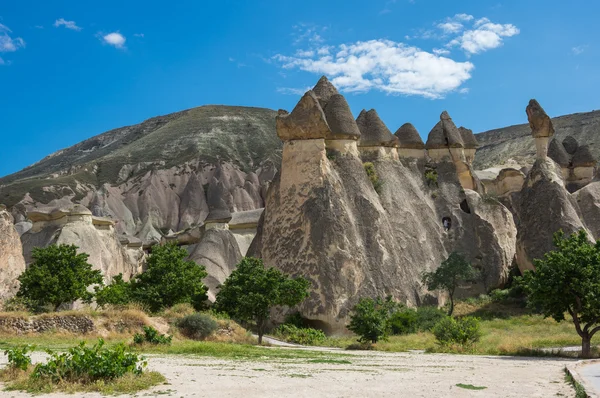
column 541, row 127
column 542, row 208
column 12, row 263
column 588, row 199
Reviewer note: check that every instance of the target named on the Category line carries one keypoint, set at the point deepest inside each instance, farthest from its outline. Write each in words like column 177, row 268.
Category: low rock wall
column 68, row 323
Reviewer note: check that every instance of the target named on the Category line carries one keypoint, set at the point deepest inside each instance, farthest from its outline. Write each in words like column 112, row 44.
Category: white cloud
column 114, row 39
column 463, row 17
column 578, row 50
column 441, row 51
column 385, row 65
column 484, row 36
column 303, row 53
column 139, row 35
column 307, row 33
column 8, row 43
column 67, row 24
column 292, row 91
column 450, row 27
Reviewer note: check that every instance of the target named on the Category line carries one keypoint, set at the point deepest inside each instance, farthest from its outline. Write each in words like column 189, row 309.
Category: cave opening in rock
column 447, row 223
column 464, row 206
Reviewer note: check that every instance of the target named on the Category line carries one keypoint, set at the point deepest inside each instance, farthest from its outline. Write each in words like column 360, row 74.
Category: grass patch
column 333, row 361
column 18, row 380
column 579, row 390
column 470, row 386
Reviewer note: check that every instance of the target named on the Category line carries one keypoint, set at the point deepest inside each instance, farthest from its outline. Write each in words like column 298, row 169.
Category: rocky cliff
column 12, row 263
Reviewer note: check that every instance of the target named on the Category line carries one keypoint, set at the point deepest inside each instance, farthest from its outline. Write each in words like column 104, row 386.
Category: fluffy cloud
column 578, row 50
column 67, row 24
column 485, row 35
column 8, row 43
column 384, row 65
column 114, row 39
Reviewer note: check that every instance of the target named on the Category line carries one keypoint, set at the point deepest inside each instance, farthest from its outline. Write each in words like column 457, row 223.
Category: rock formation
column 576, row 161
column 541, row 127
column 410, row 143
column 324, row 219
column 94, row 236
column 12, row 263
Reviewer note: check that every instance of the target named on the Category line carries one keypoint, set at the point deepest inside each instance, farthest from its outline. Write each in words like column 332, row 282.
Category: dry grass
column 19, row 380
column 230, row 332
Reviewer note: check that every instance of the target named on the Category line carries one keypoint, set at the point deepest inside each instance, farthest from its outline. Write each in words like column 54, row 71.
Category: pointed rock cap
column 570, row 145
column 307, row 120
column 373, row 132
column 557, row 153
column 444, row 134
column 340, row 120
column 324, row 90
column 539, row 121
column 468, row 138
column 409, row 137
column 218, row 209
column 583, row 157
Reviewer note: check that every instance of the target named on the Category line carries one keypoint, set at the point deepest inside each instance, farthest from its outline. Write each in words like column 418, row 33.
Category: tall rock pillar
column 541, row 127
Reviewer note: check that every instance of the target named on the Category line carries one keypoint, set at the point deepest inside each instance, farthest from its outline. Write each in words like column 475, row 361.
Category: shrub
column 58, row 275
column 85, row 365
column 117, row 293
column 370, row 318
column 404, row 322
column 464, row 331
column 197, row 326
column 151, row 336
column 18, row 358
column 304, row 336
column 17, row 304
column 296, row 319
column 169, row 279
column 431, row 177
column 427, row 317
column 372, row 174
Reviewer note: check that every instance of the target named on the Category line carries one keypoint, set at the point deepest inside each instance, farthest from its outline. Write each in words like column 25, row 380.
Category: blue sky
column 73, row 69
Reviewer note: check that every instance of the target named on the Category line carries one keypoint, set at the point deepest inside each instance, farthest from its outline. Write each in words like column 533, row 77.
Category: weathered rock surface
column 588, row 199
column 12, row 263
column 543, row 207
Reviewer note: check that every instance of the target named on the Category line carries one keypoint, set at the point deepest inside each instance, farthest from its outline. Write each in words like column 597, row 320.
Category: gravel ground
column 367, row 374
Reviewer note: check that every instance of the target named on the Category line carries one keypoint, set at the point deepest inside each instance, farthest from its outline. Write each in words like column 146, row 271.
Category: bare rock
column 12, row 263
column 373, row 132
column 570, row 144
column 539, row 121
column 444, row 134
column 340, row 119
column 324, row 90
column 307, row 121
column 583, row 157
column 409, row 137
column 557, row 152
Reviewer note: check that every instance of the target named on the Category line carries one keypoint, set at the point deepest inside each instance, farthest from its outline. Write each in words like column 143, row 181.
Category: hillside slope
column 499, row 145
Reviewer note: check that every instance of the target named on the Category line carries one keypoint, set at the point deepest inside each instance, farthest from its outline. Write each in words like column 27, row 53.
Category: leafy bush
column 17, row 304
column 85, row 365
column 464, row 331
column 197, row 326
column 296, row 319
column 117, row 293
column 58, row 275
column 18, row 358
column 431, row 177
column 151, row 336
column 370, row 318
column 170, row 279
column 304, row 336
column 427, row 317
column 372, row 174
column 404, row 322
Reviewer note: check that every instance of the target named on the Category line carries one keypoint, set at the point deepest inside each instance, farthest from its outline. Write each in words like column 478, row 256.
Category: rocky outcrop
column 541, row 127
column 92, row 235
column 12, row 263
column 588, row 200
column 410, row 143
column 324, row 220
column 576, row 161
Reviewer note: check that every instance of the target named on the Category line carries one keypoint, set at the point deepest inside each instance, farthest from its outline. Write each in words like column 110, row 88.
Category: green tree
column 58, row 275
column 370, row 319
column 252, row 290
column 117, row 293
column 169, row 279
column 454, row 270
column 567, row 280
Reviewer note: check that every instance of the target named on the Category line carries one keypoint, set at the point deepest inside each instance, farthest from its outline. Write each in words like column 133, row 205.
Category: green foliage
column 404, row 321
column 463, row 331
column 58, row 275
column 17, row 304
column 151, row 336
column 304, row 336
column 427, row 317
column 370, row 318
column 197, row 326
column 373, row 176
column 252, row 290
column 296, row 319
column 88, row 364
column 117, row 293
column 567, row 280
column 431, row 177
column 18, row 358
column 169, row 279
column 454, row 270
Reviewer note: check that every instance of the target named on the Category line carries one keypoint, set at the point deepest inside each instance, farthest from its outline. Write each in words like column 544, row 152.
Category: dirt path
column 371, row 374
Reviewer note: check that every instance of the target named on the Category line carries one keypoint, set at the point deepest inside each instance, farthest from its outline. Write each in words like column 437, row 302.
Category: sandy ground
column 368, row 374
